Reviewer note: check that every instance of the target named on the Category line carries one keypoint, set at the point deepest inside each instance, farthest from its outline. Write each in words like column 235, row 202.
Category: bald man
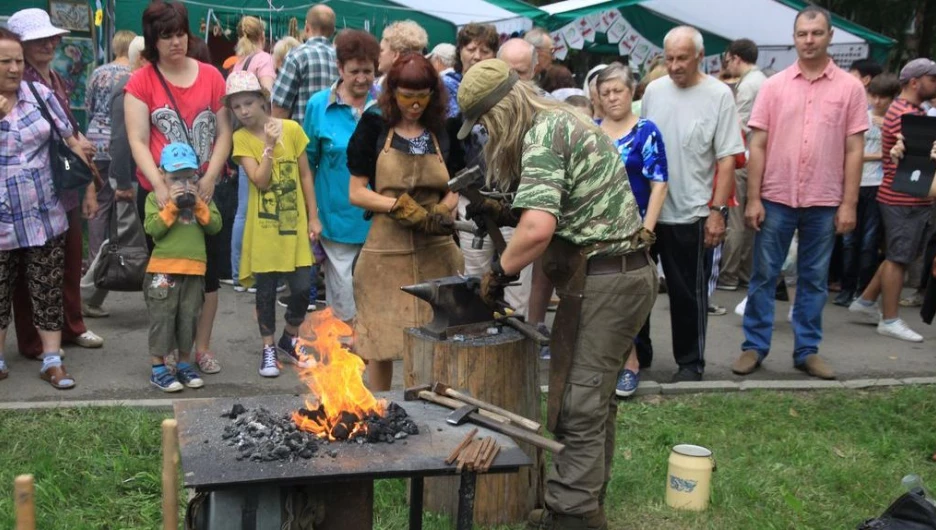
column 309, row 68
column 520, row 56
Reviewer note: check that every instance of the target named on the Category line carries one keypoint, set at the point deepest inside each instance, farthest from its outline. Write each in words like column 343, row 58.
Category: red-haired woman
column 177, row 99
column 397, row 159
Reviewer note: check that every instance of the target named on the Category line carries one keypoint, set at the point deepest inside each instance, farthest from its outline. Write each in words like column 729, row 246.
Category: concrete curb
column 646, row 388
column 651, row 388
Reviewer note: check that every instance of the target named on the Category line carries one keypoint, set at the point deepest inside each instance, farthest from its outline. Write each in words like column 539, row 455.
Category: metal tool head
column 460, row 415
column 440, row 388
column 455, row 304
column 472, row 177
column 412, row 393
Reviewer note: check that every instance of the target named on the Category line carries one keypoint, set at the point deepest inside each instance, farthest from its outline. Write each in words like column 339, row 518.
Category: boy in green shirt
column 174, row 287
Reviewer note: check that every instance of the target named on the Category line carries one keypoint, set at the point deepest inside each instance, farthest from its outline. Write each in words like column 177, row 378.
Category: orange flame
column 334, row 376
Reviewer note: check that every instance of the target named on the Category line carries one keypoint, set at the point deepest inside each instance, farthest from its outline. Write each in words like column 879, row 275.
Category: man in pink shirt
column 804, row 173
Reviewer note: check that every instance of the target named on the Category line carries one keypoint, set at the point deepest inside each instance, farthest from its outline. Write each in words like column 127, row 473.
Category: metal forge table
column 209, row 464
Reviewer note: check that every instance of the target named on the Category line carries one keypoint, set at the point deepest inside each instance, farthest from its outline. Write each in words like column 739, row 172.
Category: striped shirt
column 307, row 69
column 30, row 211
column 889, row 132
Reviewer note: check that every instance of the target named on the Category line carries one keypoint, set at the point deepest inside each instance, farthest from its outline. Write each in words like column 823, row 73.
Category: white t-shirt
column 872, row 173
column 699, row 126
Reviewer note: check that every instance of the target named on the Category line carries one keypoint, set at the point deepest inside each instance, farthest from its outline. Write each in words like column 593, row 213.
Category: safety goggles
column 408, row 101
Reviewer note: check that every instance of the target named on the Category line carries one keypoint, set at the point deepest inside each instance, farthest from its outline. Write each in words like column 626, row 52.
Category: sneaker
column 287, row 347
column 92, row 311
column 268, row 365
column 188, row 377
column 207, row 363
column 716, row 310
column 898, row 330
column 844, row 298
column 871, row 314
column 252, row 290
column 163, row 379
column 545, row 354
column 627, row 383
column 726, row 286
column 283, row 301
column 238, row 288
column 89, row 339
column 686, row 374
column 227, row 281
column 914, row 300
column 739, row 309
column 281, row 287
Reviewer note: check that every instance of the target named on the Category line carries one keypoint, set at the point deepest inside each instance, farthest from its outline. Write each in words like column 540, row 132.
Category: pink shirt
column 261, row 65
column 807, row 123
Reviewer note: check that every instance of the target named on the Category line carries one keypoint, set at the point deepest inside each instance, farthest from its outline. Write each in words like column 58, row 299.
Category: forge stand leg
column 416, row 503
column 466, row 498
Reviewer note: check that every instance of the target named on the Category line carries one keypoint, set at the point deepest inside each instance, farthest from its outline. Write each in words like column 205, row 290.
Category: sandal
column 57, row 377
column 207, row 363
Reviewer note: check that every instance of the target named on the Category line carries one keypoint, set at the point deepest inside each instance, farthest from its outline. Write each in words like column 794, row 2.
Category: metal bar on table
column 466, row 498
column 416, row 503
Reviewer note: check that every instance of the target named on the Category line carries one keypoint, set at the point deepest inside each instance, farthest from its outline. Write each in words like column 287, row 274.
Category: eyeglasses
column 410, row 100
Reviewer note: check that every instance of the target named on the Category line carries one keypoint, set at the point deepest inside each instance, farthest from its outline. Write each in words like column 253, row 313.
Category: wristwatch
column 720, row 209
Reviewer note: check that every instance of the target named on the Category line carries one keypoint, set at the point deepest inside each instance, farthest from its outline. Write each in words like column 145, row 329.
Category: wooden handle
column 526, row 423
column 455, row 404
column 25, row 501
column 518, row 433
column 170, row 474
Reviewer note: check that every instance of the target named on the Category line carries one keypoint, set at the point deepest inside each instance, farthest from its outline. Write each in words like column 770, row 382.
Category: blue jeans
column 816, row 228
column 860, row 246
column 240, row 219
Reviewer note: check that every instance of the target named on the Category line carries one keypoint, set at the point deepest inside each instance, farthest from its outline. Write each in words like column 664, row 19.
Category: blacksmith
column 577, row 211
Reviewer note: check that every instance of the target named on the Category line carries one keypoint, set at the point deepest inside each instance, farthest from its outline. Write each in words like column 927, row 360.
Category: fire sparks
column 334, row 376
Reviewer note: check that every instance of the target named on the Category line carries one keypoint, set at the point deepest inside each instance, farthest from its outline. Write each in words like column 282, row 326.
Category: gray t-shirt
column 699, row 126
column 872, row 173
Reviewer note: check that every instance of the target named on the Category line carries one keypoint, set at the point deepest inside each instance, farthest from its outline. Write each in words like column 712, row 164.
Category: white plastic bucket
column 689, row 477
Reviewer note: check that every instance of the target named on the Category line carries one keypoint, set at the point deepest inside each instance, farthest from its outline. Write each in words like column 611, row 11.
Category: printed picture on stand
column 75, row 16
column 74, row 61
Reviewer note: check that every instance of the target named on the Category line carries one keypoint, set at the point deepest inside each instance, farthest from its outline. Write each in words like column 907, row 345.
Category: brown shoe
column 548, row 520
column 816, row 367
column 747, row 363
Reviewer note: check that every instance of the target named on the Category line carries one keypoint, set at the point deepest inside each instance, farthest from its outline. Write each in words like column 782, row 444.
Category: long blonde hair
column 507, row 124
column 250, row 36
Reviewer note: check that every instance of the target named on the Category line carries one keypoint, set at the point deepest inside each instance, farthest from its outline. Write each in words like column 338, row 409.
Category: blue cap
column 178, row 156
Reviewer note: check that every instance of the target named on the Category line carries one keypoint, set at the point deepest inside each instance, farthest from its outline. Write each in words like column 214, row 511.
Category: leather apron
column 394, row 256
column 565, row 265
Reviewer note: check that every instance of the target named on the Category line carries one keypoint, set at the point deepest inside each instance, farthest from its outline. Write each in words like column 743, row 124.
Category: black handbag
column 69, row 170
column 120, row 267
column 911, row 511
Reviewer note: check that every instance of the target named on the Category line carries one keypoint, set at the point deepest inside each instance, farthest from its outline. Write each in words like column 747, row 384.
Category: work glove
column 408, row 212
column 500, row 212
column 646, row 237
column 439, row 222
column 493, row 284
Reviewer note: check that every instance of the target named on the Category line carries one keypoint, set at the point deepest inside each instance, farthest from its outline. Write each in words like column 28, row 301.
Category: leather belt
column 616, row 264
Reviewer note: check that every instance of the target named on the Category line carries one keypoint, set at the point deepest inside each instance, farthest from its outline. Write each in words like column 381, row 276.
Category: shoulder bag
column 69, row 170
column 121, row 266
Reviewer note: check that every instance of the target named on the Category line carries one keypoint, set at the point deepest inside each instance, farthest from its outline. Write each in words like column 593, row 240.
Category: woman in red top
column 178, row 99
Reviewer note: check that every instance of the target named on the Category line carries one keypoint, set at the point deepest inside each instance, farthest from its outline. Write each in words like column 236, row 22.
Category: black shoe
column 781, row 294
column 844, row 298
column 686, row 374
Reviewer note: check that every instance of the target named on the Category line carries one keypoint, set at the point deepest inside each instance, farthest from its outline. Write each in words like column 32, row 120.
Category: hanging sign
column 561, row 49
column 573, row 36
column 586, row 29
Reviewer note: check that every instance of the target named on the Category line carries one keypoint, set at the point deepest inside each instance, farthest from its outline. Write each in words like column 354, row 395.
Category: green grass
column 785, row 461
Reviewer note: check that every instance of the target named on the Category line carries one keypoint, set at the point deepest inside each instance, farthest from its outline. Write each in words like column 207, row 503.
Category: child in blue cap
column 174, row 287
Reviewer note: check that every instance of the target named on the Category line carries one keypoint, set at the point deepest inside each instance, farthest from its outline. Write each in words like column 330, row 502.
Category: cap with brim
column 917, row 68
column 242, row 82
column 178, row 156
column 33, row 24
column 482, row 87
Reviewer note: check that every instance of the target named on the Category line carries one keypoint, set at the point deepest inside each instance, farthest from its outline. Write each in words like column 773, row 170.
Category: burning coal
column 345, row 409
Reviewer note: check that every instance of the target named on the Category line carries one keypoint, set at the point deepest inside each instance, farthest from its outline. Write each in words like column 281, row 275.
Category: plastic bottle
column 913, row 483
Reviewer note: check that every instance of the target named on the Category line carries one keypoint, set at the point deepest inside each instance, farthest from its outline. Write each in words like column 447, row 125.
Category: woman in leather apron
column 397, row 160
column 579, row 216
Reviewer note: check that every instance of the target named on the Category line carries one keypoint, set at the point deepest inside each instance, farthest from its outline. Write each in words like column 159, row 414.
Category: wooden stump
column 502, row 370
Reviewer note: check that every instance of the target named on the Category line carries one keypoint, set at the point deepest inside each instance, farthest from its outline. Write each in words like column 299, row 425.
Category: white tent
column 465, row 11
column 766, row 22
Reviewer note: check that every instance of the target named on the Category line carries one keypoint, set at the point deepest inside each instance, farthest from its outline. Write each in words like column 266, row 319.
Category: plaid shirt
column 30, row 211
column 307, row 69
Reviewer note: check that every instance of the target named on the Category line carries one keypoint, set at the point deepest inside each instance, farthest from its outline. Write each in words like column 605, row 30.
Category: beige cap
column 482, row 87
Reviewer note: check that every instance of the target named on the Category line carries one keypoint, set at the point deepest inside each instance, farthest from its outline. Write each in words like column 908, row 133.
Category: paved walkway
column 120, row 369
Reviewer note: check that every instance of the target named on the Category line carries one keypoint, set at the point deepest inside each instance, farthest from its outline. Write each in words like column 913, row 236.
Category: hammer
column 425, row 393
column 471, row 413
column 445, row 390
column 468, row 182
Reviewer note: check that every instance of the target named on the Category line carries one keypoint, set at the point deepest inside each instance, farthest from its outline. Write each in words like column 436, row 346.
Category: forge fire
column 339, row 406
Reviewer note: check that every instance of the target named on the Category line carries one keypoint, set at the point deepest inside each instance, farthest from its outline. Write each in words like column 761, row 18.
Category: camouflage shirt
column 574, row 172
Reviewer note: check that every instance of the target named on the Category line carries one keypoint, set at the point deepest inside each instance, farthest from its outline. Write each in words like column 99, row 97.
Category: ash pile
column 263, row 436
